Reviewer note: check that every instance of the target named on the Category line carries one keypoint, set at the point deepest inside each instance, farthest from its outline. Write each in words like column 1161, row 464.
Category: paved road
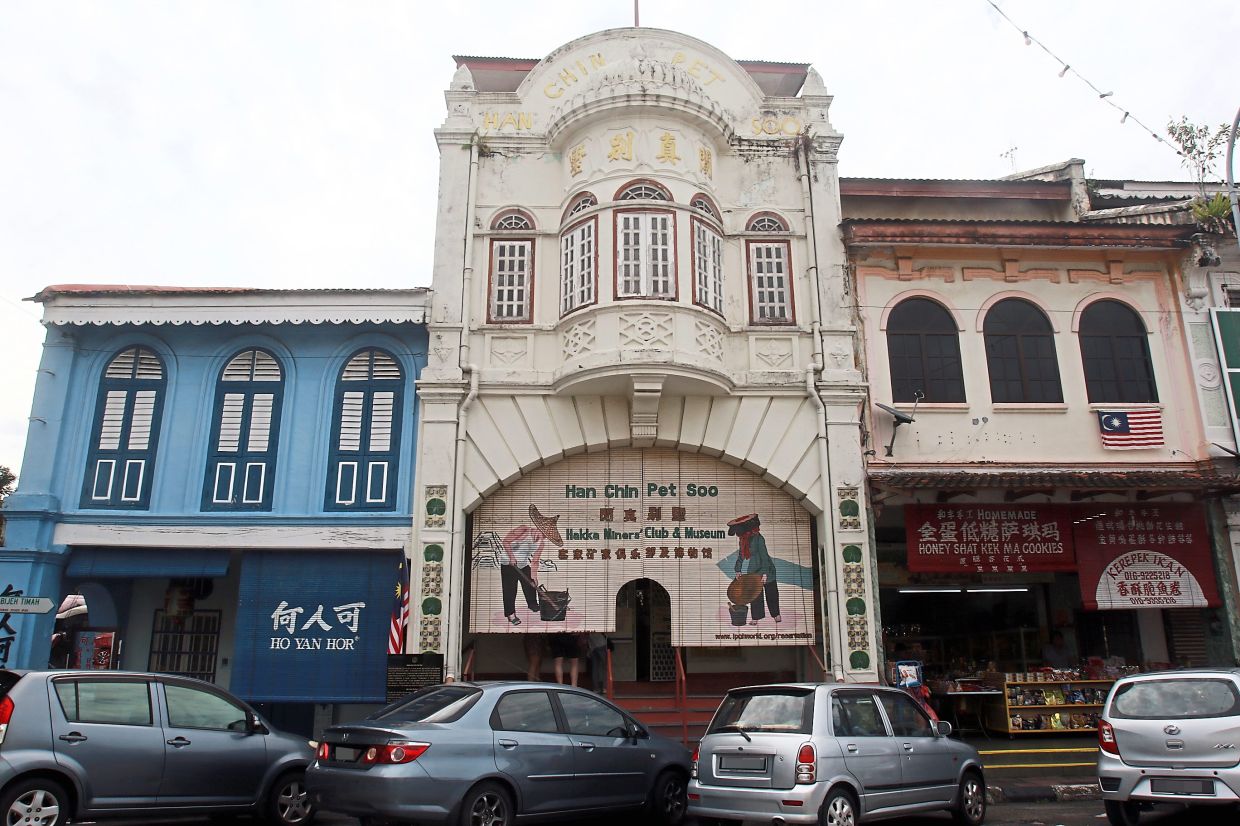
column 1084, row 813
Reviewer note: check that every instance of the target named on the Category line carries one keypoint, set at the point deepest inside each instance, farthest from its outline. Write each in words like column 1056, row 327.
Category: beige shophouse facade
column 641, row 333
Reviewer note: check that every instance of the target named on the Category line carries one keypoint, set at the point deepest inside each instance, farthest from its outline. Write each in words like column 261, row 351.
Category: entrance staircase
column 682, row 709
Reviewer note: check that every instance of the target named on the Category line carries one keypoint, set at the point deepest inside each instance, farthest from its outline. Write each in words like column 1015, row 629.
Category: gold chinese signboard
column 552, row 551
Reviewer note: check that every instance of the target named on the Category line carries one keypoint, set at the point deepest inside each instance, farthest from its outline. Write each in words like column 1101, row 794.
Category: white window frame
column 645, row 269
column 707, row 266
column 578, row 266
column 770, row 282
column 512, row 280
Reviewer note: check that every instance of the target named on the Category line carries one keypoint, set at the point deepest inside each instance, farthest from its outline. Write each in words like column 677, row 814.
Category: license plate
column 1167, row 785
column 344, row 754
column 742, row 763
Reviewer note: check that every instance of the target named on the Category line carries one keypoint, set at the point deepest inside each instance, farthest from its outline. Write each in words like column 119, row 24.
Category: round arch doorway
column 643, row 637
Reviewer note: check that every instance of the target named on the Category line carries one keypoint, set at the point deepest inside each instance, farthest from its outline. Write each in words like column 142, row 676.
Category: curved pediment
column 635, row 66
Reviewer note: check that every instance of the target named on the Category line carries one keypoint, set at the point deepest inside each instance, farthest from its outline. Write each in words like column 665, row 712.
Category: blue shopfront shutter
column 313, row 626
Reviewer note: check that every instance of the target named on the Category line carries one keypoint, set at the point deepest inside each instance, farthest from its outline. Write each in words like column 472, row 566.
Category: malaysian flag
column 400, row 613
column 1130, row 429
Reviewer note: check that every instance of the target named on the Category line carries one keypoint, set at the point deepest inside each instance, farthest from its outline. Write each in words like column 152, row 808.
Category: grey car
column 78, row 745
column 833, row 755
column 1170, row 737
column 488, row 753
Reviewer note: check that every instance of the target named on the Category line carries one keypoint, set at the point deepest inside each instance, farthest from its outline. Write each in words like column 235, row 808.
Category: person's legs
column 533, row 656
column 757, row 610
column 771, row 589
column 559, row 670
column 574, row 670
column 508, row 585
column 529, row 590
column 598, row 669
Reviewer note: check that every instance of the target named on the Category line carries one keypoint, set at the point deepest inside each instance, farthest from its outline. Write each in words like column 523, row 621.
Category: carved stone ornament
column 646, row 330
column 579, row 339
column 775, row 353
column 508, row 350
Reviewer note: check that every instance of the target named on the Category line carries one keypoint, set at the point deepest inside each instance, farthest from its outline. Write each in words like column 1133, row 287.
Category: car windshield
column 1176, row 699
column 788, row 710
column 435, row 704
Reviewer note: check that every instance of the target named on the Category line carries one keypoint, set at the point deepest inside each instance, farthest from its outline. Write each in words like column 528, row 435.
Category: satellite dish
column 899, row 415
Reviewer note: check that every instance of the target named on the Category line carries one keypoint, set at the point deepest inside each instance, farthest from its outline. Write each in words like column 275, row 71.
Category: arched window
column 705, row 206
column 766, row 222
column 365, row 445
column 1115, row 351
column 923, row 349
column 643, row 191
column 511, row 277
column 126, row 431
column 707, row 266
column 512, row 220
column 244, row 434
column 584, row 201
column 1020, row 353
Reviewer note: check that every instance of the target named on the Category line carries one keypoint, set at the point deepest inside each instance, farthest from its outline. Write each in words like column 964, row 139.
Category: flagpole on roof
column 637, row 19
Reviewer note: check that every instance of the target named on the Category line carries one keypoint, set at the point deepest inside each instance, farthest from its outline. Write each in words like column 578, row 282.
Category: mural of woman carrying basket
column 755, row 584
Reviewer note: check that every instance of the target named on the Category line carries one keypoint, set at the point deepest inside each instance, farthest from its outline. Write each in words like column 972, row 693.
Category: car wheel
column 35, row 802
column 289, row 804
column 487, row 804
column 668, row 799
column 1122, row 813
column 970, row 808
column 840, row 809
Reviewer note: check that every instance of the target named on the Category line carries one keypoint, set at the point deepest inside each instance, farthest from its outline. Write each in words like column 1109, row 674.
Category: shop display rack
column 1046, row 705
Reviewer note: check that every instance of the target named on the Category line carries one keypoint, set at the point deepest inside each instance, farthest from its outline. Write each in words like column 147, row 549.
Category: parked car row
column 94, row 745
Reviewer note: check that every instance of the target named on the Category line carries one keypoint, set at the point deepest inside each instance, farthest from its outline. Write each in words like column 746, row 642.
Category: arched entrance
column 643, row 638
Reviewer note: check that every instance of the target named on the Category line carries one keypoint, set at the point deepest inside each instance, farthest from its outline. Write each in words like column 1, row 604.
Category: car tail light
column 325, row 751
column 693, row 765
column 1106, row 738
column 807, row 764
column 6, row 713
column 394, row 753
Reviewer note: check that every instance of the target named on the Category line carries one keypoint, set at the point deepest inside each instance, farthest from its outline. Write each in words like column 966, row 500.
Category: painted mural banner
column 989, row 539
column 550, row 552
column 1145, row 556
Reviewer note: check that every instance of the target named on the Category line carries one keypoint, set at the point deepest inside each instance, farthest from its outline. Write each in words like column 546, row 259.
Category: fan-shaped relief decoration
column 642, row 76
column 579, row 339
column 646, row 330
column 709, row 340
column 583, row 202
column 643, row 191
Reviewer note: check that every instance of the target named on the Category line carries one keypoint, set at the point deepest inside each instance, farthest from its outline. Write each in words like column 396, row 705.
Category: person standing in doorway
column 755, row 559
column 570, row 647
column 598, row 645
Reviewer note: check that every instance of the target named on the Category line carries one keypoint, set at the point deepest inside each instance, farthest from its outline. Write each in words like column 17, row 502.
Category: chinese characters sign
column 1145, row 556
column 989, row 539
column 553, row 551
column 313, row 626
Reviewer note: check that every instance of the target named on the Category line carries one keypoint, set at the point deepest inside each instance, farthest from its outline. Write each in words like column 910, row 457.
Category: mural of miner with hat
column 754, row 564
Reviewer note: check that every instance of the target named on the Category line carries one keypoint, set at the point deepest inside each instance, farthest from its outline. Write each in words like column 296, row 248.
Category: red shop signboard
column 989, row 539
column 1145, row 556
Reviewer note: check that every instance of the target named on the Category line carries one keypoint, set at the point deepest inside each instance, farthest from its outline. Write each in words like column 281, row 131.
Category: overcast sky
column 289, row 143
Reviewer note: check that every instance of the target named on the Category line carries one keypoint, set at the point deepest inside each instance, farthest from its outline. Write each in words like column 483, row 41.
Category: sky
column 288, row 143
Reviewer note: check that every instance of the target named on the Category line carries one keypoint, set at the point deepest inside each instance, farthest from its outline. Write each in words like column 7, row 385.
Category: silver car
column 830, row 754
column 486, row 754
column 1170, row 737
column 89, row 745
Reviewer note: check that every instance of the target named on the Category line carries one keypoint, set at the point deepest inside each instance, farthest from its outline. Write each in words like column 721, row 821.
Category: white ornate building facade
column 640, row 338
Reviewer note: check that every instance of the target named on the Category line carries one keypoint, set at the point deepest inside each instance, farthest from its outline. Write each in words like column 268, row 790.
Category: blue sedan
column 484, row 754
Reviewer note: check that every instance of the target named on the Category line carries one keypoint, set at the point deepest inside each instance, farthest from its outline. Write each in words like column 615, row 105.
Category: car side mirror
column 636, row 732
column 255, row 725
column 942, row 728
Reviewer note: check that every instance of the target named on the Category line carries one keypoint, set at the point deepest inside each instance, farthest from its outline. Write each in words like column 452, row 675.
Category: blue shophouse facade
column 217, row 483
